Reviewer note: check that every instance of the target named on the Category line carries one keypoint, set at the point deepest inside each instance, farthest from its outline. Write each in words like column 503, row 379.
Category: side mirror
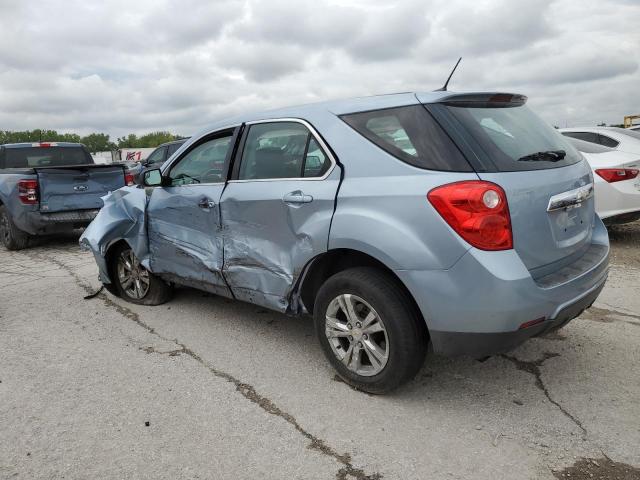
column 153, row 178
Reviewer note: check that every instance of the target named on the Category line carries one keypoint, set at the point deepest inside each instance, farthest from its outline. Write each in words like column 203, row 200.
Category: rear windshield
column 27, row 157
column 411, row 135
column 588, row 147
column 514, row 138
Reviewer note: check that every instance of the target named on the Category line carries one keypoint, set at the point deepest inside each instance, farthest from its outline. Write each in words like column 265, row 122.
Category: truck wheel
column 369, row 329
column 135, row 283
column 11, row 236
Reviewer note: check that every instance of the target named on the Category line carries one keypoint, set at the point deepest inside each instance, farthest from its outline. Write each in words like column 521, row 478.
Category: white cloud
column 120, row 66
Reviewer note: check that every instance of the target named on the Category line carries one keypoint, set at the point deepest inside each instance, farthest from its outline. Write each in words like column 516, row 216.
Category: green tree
column 97, row 142
column 130, row 141
column 38, row 135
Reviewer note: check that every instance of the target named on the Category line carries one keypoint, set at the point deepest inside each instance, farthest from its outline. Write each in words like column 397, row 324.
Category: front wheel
column 135, row 283
column 10, row 235
column 369, row 329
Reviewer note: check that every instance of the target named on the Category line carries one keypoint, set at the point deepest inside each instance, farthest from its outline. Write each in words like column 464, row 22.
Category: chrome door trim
column 570, row 199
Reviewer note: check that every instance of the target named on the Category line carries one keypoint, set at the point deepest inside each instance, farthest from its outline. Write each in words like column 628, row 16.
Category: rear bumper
column 37, row 223
column 617, row 202
column 482, row 344
column 477, row 306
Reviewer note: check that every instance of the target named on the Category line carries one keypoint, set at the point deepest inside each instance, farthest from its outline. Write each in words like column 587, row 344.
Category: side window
column 607, row 141
column 157, row 155
column 411, row 135
column 281, row 150
column 203, row 164
column 586, row 136
column 173, row 148
column 316, row 162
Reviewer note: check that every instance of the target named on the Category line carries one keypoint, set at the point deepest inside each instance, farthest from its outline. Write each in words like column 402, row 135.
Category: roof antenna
column 444, row 87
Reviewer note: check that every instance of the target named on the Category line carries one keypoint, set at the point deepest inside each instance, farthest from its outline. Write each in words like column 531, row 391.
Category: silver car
column 460, row 220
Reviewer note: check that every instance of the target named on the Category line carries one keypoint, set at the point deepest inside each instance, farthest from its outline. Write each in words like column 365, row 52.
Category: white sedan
column 621, row 139
column 616, row 180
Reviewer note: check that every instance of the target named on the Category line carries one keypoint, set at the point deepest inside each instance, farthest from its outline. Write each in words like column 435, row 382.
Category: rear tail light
column 477, row 211
column 28, row 191
column 129, row 179
column 612, row 175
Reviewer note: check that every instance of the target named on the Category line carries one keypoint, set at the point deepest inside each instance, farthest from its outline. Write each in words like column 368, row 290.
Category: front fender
column 122, row 218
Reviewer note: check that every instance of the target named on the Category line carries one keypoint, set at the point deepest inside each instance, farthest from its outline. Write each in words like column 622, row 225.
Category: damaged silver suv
column 462, row 220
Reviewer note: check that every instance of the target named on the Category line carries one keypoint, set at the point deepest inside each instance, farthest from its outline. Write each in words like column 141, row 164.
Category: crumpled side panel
column 185, row 241
column 269, row 241
column 260, row 270
column 121, row 218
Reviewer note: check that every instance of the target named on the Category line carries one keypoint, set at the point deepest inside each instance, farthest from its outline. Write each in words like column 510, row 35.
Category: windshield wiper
column 549, row 156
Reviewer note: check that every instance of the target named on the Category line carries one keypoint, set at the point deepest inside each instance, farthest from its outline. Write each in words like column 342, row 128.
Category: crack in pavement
column 533, row 367
column 245, row 389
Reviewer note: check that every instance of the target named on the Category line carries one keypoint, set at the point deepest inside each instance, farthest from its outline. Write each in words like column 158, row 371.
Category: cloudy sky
column 122, row 66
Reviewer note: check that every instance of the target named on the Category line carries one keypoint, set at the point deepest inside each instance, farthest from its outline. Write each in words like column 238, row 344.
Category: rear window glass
column 607, row 141
column 28, row 157
column 588, row 147
column 584, row 136
column 411, row 135
column 511, row 138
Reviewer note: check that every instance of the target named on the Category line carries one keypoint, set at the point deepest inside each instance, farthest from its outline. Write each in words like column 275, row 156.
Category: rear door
column 548, row 184
column 277, row 209
column 184, row 231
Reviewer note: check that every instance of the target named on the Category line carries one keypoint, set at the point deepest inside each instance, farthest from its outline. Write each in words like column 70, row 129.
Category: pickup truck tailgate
column 78, row 187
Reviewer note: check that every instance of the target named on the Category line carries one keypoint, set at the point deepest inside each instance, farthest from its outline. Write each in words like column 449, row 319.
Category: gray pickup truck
column 50, row 188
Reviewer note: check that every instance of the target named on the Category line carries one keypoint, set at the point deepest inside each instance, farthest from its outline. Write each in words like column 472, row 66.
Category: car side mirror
column 153, row 178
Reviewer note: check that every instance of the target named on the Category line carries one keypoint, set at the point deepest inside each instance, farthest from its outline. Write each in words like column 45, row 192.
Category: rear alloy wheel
column 134, row 282
column 369, row 329
column 357, row 335
column 11, row 236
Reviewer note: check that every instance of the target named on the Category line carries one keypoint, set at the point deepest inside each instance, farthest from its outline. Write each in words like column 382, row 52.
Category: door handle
column 206, row 203
column 297, row 197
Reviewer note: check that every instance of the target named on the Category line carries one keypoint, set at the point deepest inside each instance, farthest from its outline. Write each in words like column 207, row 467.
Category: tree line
column 95, row 142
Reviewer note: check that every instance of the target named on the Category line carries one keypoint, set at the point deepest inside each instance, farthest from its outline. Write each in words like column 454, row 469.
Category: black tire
column 158, row 291
column 406, row 332
column 11, row 236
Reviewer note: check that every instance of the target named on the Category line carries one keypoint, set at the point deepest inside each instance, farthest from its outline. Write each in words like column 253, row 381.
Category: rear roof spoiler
column 484, row 100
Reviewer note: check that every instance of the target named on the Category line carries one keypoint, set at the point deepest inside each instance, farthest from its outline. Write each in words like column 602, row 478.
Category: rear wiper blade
column 549, row 156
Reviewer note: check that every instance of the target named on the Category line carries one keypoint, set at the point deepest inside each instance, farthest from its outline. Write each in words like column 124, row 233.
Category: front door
column 183, row 219
column 277, row 209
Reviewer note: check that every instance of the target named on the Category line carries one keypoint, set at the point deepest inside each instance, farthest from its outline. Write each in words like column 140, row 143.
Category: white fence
column 122, row 155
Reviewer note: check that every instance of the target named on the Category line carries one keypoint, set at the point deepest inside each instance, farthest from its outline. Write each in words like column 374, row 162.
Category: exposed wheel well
column 335, row 261
column 109, row 257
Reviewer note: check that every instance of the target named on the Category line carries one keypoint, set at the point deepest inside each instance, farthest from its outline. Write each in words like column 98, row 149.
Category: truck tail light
column 612, row 175
column 28, row 191
column 477, row 211
column 129, row 179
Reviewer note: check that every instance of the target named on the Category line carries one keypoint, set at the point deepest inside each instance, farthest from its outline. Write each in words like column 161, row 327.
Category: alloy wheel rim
column 133, row 277
column 357, row 335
